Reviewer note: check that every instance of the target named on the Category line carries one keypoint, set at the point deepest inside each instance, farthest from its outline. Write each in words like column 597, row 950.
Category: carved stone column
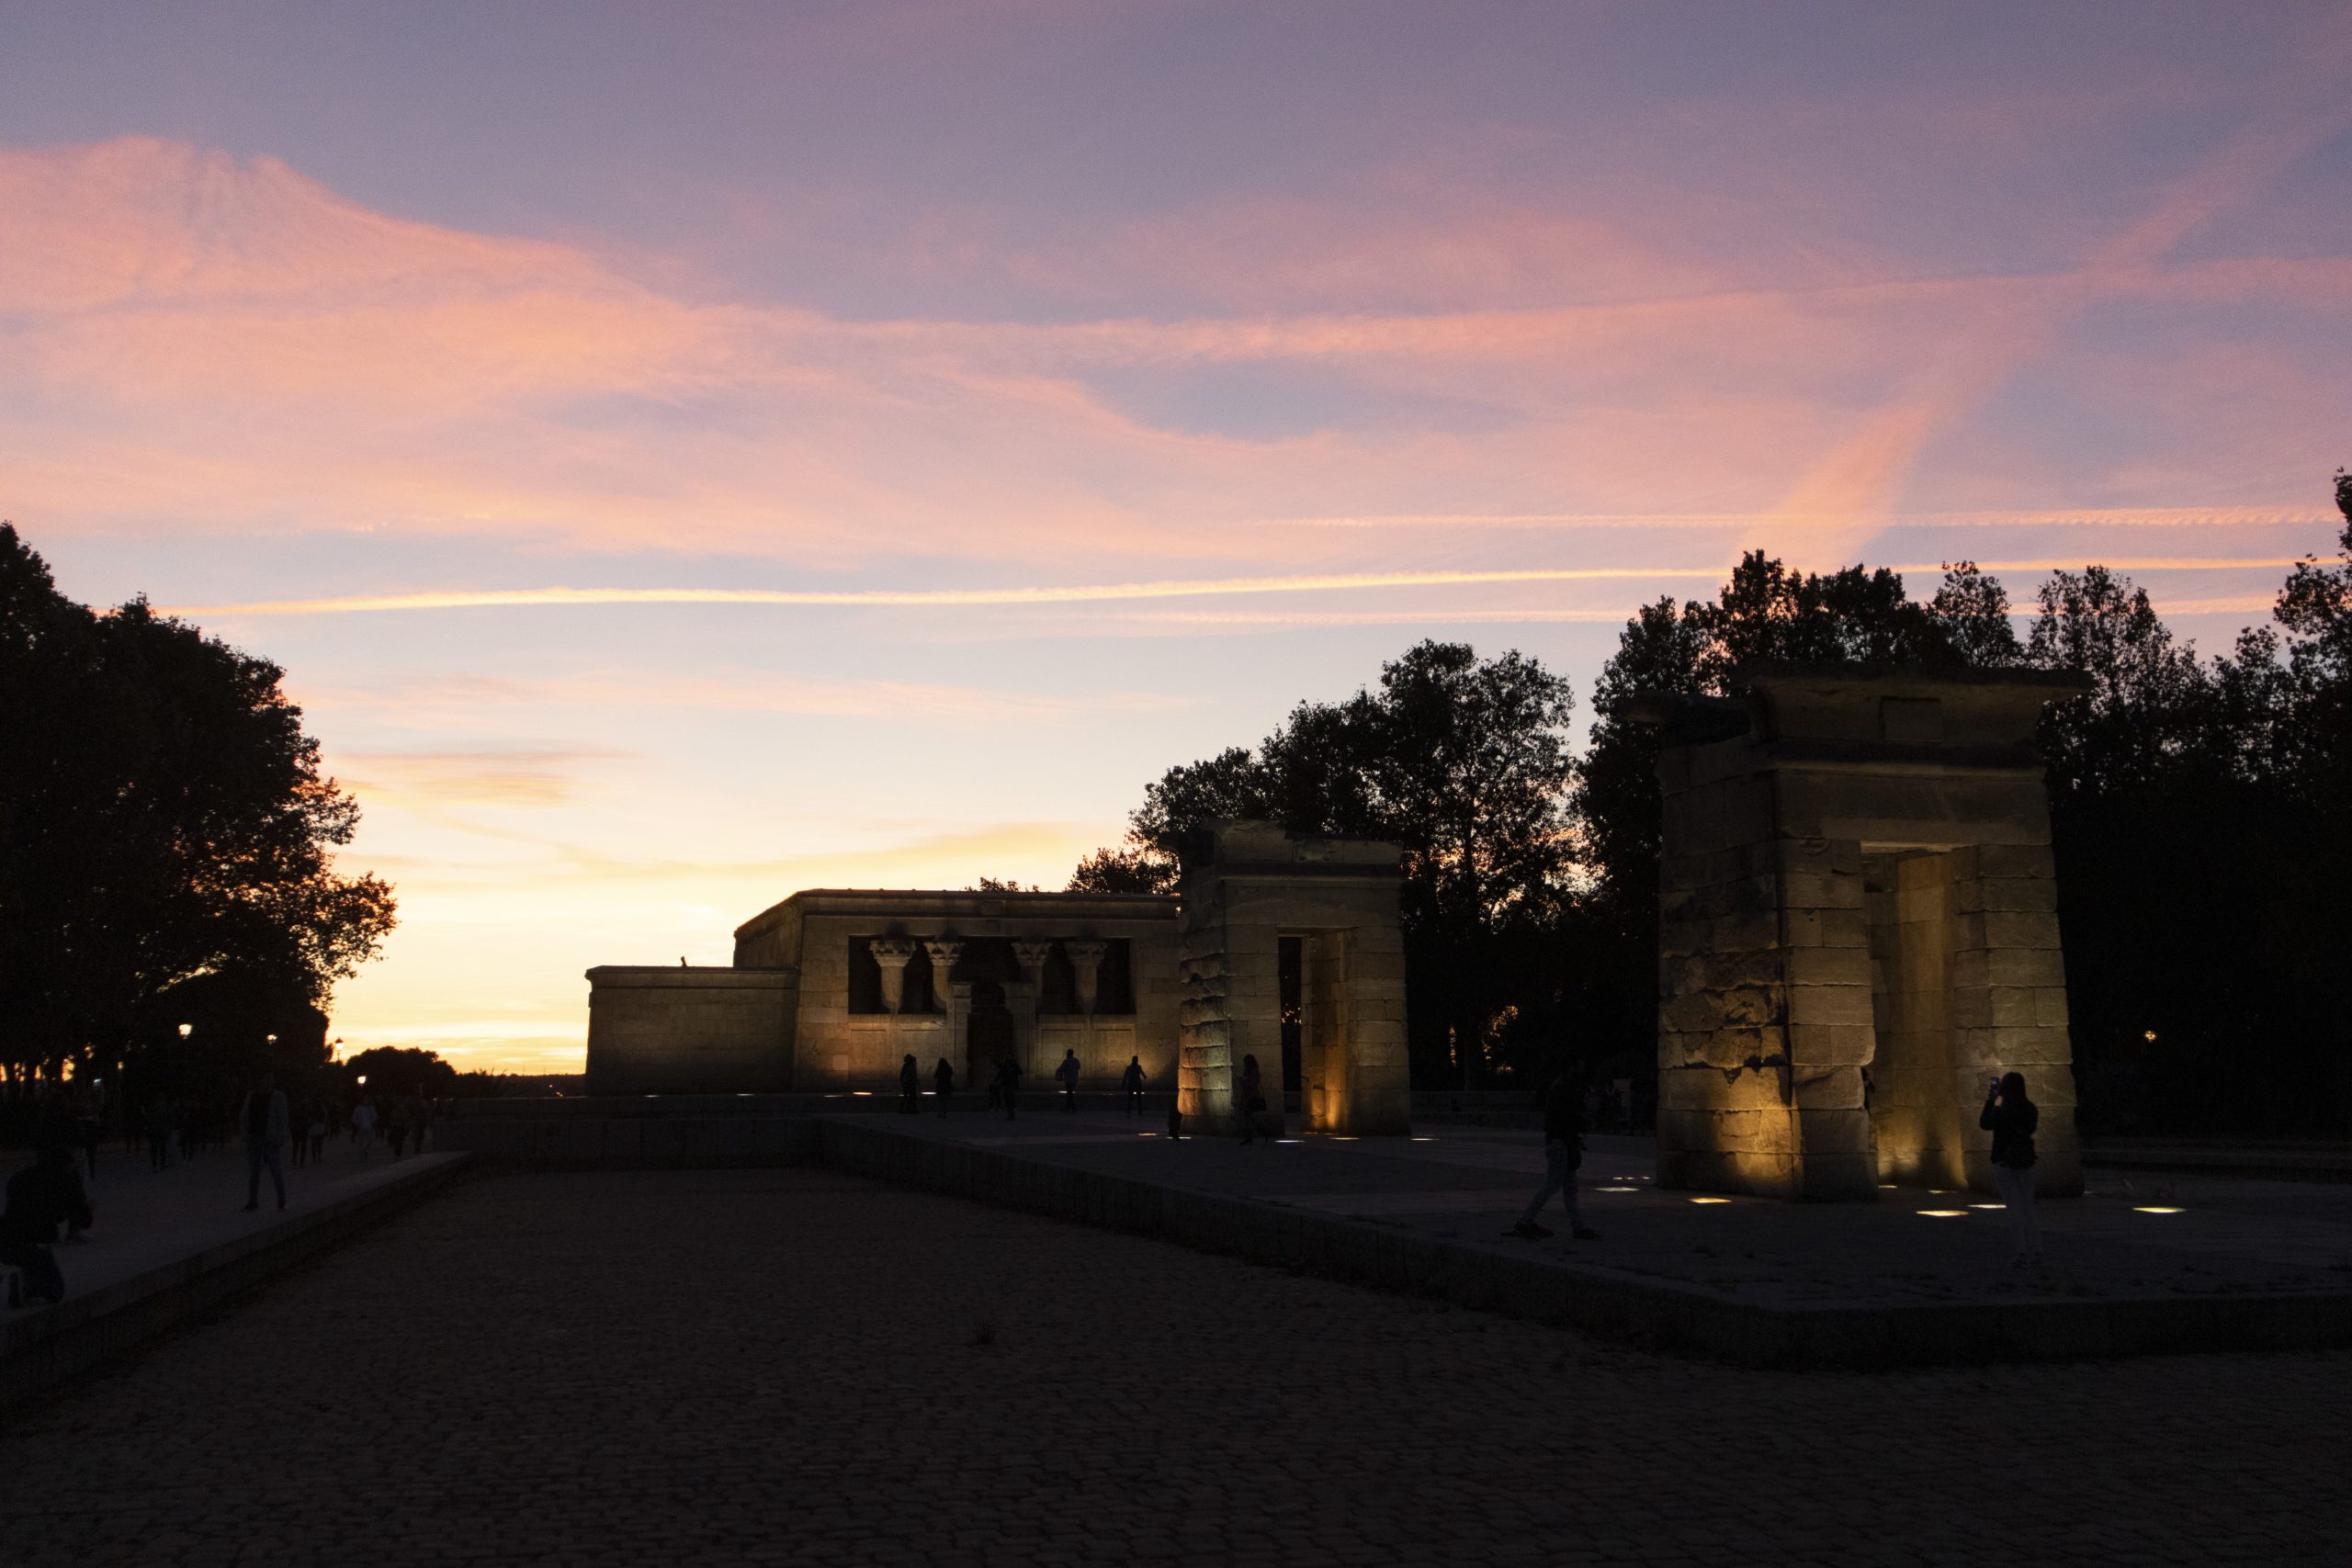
column 1031, row 954
column 892, row 953
column 945, row 951
column 954, row 998
column 1086, row 968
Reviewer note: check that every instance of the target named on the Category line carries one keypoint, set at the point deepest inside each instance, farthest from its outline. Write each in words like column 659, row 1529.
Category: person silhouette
column 943, row 1080
column 1563, row 1157
column 910, row 1086
column 264, row 1121
column 42, row 1196
column 1008, row 1084
column 2011, row 1116
column 1067, row 1075
column 1132, row 1081
column 1250, row 1100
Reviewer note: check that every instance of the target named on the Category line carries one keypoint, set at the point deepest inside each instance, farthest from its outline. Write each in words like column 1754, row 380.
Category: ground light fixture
column 1711, row 1199
column 1621, row 1189
column 1988, row 1205
column 1944, row 1214
column 1286, row 1140
column 2154, row 1209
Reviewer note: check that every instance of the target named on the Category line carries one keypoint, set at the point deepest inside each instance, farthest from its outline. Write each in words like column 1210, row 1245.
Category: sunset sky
column 1053, row 391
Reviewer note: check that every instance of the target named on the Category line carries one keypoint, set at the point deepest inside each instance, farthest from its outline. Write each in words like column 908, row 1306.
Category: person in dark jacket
column 942, row 1081
column 1067, row 1075
column 2011, row 1117
column 1563, row 1157
column 42, row 1196
column 1008, row 1086
column 910, row 1087
column 1250, row 1100
column 1132, row 1081
column 264, row 1119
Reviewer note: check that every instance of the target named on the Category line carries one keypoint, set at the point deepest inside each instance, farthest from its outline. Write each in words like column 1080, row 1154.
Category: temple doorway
column 988, row 1032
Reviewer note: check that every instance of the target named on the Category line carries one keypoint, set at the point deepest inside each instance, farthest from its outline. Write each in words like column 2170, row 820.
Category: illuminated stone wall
column 1857, row 927
column 1248, row 886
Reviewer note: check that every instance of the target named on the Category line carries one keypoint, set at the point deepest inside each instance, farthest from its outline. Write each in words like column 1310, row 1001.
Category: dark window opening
column 1114, row 985
column 916, row 992
column 1058, row 987
column 865, row 977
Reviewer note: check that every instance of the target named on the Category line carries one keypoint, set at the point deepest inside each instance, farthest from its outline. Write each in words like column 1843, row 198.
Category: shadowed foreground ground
column 788, row 1365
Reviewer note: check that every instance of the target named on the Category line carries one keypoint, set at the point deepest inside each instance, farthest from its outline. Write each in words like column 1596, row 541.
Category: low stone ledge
column 46, row 1344
column 1657, row 1315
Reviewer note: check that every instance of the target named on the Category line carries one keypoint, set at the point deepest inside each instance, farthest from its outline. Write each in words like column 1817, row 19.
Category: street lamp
column 186, row 1030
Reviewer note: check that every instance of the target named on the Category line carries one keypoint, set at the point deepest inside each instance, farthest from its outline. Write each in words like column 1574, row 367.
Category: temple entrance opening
column 1290, row 971
column 1917, row 1090
column 989, row 1034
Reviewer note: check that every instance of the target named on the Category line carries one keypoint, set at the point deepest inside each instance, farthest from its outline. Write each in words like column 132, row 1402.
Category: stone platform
column 170, row 1244
column 2138, row 1265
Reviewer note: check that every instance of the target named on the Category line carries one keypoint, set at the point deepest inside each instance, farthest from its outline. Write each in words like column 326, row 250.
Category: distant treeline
column 2202, row 817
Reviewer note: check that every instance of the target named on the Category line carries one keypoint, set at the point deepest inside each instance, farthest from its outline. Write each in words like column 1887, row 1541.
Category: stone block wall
column 1246, row 886
column 660, row 1030
column 1857, row 928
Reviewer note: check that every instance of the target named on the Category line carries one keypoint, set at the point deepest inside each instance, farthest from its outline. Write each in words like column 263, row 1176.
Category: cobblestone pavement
column 798, row 1367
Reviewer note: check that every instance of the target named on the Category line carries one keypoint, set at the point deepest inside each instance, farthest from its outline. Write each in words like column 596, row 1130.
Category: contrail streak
column 1078, row 593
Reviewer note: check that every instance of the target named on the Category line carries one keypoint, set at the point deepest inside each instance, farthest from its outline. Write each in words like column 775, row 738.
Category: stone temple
column 1283, row 947
column 1858, row 926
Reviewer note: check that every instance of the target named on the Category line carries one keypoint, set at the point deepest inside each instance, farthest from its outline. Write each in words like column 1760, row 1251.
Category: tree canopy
column 163, row 821
column 2201, row 811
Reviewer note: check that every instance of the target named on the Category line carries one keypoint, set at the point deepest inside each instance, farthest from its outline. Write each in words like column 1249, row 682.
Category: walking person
column 942, row 1084
column 42, row 1196
column 396, row 1127
column 1563, row 1158
column 363, row 1127
column 2011, row 1117
column 1067, row 1075
column 318, row 1132
column 1008, row 1084
column 1250, row 1100
column 1132, row 1081
column 262, row 1120
column 156, row 1117
column 910, row 1087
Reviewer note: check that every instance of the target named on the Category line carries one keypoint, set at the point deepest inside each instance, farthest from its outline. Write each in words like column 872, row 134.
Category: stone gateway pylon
column 1253, row 893
column 1857, row 927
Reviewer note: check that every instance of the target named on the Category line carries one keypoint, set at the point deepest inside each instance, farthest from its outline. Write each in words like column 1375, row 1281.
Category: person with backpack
column 2011, row 1117
column 1563, row 1158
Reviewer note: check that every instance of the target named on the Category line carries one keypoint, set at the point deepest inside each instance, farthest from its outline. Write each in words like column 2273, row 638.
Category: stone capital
column 892, row 954
column 1031, row 952
column 1086, row 966
column 945, row 951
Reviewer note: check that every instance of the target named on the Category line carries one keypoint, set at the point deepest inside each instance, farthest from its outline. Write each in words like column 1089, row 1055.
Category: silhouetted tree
column 401, row 1071
column 162, row 818
column 1463, row 762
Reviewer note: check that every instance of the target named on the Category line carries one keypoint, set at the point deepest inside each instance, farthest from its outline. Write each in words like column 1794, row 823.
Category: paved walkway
column 147, row 1218
column 791, row 1366
column 2131, row 1236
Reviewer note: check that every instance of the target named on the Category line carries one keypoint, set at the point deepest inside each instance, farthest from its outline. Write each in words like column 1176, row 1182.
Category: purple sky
column 1369, row 322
